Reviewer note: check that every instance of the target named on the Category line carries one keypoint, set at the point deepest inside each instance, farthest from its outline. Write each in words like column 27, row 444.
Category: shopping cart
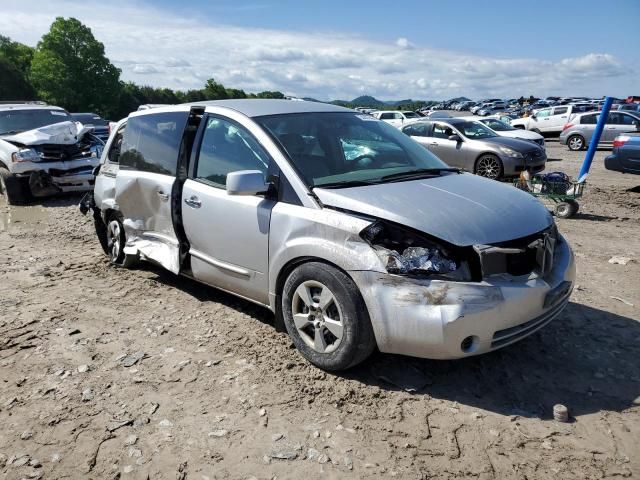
column 561, row 194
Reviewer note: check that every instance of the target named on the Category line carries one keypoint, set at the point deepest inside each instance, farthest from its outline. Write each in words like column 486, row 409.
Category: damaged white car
column 354, row 235
column 43, row 151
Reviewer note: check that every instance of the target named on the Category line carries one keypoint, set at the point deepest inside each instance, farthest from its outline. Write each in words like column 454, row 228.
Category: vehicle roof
column 28, row 106
column 254, row 107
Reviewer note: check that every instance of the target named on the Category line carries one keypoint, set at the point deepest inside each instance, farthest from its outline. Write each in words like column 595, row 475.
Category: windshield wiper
column 344, row 184
column 419, row 173
column 11, row 132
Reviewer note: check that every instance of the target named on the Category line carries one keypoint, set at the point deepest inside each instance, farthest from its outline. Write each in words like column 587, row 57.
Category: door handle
column 163, row 196
column 193, row 201
column 434, row 143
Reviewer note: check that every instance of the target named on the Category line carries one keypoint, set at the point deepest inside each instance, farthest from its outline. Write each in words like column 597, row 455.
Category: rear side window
column 560, row 110
column 589, row 119
column 151, row 143
column 417, row 130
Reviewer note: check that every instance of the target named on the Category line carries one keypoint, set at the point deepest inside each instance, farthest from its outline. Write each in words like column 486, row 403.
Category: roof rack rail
column 22, row 102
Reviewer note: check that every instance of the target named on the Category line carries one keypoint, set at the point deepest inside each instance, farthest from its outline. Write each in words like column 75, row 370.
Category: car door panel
column 145, row 183
column 228, row 237
column 228, row 234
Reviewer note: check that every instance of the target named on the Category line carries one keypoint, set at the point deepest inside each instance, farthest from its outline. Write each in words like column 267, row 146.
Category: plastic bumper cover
column 447, row 320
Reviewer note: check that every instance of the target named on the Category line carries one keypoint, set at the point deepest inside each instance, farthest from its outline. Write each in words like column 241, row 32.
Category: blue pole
column 595, row 139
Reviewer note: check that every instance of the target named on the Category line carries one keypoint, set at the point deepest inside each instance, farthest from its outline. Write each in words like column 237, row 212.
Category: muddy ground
column 136, row 374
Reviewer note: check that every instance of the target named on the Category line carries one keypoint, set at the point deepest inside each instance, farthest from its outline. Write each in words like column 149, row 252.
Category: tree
column 69, row 68
column 15, row 62
column 214, row 90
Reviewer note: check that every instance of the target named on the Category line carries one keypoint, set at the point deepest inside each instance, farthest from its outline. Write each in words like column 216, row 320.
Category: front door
column 228, row 234
column 144, row 185
column 449, row 151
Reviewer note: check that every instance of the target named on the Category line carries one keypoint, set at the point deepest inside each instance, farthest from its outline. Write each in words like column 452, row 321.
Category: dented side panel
column 144, row 199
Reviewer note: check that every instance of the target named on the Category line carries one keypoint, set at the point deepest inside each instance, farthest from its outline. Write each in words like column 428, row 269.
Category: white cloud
column 145, row 69
column 404, row 43
column 168, row 50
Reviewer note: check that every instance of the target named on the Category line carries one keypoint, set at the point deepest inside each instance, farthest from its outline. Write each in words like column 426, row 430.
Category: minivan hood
column 462, row 209
column 62, row 133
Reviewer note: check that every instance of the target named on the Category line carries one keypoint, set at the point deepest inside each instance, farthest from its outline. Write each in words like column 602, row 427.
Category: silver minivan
column 354, row 235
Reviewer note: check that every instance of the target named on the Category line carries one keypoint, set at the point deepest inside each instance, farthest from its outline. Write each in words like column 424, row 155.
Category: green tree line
column 69, row 68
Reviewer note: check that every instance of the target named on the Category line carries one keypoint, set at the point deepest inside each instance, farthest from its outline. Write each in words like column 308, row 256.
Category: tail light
column 566, row 126
column 620, row 140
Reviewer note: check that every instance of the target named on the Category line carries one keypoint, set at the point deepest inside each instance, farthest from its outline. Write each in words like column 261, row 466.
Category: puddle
column 11, row 217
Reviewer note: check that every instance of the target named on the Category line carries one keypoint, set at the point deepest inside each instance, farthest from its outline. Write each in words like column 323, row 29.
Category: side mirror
column 637, row 124
column 246, row 182
column 455, row 137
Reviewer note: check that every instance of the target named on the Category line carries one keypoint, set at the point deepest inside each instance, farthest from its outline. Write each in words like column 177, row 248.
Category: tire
column 331, row 329
column 567, row 209
column 115, row 243
column 575, row 143
column 13, row 188
column 489, row 166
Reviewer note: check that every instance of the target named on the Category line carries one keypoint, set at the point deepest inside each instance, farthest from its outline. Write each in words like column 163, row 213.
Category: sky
column 330, row 49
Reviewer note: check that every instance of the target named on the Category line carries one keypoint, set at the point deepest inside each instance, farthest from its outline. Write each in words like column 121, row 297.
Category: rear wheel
column 489, row 166
column 575, row 143
column 13, row 189
column 115, row 243
column 326, row 318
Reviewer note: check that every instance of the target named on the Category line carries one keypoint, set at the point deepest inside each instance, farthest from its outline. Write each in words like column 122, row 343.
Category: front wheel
column 13, row 188
column 326, row 317
column 489, row 166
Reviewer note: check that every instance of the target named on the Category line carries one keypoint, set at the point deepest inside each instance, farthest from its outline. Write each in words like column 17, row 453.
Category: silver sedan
column 476, row 148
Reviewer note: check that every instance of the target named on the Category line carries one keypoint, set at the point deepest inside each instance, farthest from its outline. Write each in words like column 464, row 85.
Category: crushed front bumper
column 48, row 178
column 447, row 320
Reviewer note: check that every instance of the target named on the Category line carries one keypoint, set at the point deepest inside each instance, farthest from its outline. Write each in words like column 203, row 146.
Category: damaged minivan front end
column 446, row 302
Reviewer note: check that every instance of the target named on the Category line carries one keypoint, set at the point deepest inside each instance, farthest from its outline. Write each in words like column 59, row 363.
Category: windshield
column 330, row 148
column 474, row 130
column 90, row 119
column 16, row 121
column 497, row 125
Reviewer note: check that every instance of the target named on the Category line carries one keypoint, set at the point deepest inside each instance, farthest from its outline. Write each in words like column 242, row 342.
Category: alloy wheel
column 489, row 167
column 575, row 143
column 317, row 316
column 113, row 240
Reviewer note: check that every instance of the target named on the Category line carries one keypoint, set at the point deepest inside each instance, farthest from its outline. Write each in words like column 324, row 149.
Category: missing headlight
column 406, row 252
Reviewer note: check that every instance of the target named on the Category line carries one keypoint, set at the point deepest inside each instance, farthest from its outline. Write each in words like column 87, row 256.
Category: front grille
column 513, row 334
column 61, row 153
column 521, row 256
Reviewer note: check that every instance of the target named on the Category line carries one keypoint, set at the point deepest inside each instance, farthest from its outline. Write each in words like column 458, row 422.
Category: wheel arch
column 284, row 273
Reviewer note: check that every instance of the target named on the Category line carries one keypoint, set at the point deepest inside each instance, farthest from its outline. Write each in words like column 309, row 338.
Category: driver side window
column 227, row 147
column 543, row 113
column 441, row 131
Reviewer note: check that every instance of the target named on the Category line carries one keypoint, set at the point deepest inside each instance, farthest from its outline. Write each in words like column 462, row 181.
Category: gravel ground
column 138, row 374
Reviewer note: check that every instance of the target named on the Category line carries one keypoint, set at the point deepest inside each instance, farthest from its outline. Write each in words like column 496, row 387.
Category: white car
column 505, row 130
column 395, row 118
column 548, row 120
column 43, row 151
